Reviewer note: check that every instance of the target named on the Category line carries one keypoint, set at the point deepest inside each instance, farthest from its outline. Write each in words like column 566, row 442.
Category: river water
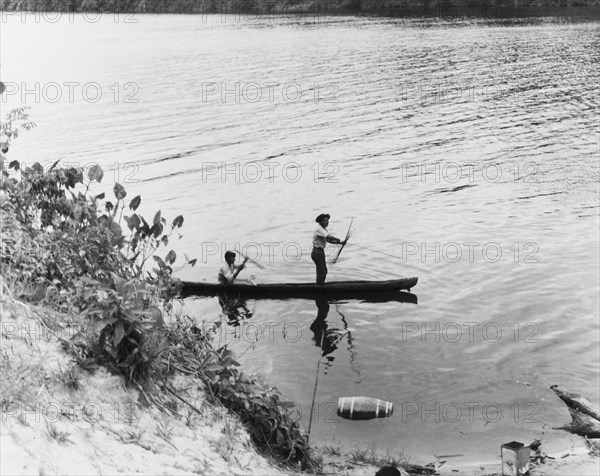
column 465, row 151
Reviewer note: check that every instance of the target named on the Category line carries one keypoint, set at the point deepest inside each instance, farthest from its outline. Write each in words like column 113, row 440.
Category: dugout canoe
column 390, row 290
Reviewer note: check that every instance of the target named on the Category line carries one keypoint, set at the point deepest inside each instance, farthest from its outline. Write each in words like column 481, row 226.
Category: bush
column 72, row 245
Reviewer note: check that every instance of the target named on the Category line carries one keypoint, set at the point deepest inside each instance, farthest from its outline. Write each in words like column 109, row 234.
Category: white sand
column 102, row 428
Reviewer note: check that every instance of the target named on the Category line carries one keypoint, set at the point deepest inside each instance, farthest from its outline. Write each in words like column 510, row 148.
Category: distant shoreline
column 317, row 8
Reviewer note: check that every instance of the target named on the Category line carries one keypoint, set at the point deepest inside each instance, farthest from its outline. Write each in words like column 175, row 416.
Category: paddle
column 256, row 263
column 348, row 235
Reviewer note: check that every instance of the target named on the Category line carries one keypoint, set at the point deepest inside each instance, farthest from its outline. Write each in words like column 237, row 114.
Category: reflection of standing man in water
column 324, row 337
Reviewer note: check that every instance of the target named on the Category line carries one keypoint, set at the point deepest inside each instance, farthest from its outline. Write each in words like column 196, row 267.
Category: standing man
column 320, row 239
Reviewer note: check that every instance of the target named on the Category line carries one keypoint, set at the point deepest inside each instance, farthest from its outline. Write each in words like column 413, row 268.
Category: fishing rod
column 377, row 251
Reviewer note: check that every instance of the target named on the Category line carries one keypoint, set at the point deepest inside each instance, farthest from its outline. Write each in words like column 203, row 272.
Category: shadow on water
column 328, row 338
column 235, row 308
column 325, row 336
column 230, row 298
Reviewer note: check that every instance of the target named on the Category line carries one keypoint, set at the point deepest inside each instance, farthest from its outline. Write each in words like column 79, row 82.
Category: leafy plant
column 124, row 323
column 101, row 266
column 72, row 245
column 15, row 121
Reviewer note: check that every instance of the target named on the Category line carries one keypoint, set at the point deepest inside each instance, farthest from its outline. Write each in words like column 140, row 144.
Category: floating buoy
column 364, row 408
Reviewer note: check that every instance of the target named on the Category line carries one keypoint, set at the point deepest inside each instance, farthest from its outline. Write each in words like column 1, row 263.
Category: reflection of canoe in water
column 363, row 290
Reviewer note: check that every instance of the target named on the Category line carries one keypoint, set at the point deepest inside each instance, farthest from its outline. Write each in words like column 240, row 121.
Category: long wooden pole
column 312, row 405
column 348, row 235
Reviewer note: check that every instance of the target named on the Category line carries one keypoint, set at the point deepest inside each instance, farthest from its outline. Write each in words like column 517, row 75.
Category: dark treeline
column 392, row 7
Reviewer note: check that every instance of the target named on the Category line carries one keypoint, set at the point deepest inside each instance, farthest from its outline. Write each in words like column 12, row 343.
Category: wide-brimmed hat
column 322, row 217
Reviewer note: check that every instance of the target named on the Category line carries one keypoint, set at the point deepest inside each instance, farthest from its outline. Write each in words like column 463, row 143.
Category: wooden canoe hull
column 373, row 291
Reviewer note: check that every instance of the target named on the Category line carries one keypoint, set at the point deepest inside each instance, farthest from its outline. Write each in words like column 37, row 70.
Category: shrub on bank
column 89, row 257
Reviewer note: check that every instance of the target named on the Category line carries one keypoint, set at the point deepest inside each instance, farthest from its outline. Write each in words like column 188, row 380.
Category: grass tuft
column 71, row 378
column 332, row 450
column 21, row 378
column 61, row 437
column 371, row 457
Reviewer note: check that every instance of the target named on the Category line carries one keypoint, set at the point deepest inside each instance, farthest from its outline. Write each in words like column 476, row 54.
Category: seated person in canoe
column 229, row 271
column 320, row 239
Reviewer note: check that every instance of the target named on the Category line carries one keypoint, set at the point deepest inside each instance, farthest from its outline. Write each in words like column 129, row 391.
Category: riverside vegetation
column 94, row 259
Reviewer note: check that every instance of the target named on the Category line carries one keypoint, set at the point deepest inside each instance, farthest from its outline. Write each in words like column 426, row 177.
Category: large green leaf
column 160, row 262
column 95, row 173
column 171, row 257
column 133, row 222
column 119, row 333
column 157, row 229
column 135, row 203
column 119, row 191
column 178, row 221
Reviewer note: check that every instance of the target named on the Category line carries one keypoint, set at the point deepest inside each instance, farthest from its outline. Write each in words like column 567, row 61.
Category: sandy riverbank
column 59, row 419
